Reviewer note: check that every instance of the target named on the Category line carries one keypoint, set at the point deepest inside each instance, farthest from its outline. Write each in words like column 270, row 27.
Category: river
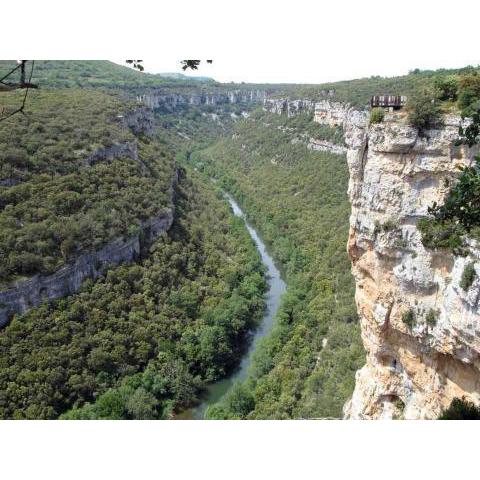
column 276, row 288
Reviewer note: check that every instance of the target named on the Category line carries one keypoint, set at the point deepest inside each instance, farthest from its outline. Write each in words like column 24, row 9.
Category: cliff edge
column 420, row 328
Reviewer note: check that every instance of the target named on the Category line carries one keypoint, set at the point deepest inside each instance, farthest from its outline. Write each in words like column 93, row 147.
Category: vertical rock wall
column 411, row 371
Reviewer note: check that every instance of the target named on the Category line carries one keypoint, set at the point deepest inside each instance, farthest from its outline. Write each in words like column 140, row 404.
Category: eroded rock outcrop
column 420, row 328
column 67, row 280
column 170, row 102
column 285, row 106
column 26, row 294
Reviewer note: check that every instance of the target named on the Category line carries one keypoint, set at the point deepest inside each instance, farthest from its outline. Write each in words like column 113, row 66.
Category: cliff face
column 411, row 371
column 23, row 295
column 32, row 292
column 170, row 102
column 326, row 112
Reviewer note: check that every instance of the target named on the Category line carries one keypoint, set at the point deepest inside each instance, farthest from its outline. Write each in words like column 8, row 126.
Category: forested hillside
column 143, row 339
column 73, row 177
column 93, row 73
column 358, row 92
column 297, row 199
column 89, row 164
column 85, row 166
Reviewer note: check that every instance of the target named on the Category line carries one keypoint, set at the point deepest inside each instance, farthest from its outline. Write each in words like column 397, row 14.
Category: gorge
column 120, row 200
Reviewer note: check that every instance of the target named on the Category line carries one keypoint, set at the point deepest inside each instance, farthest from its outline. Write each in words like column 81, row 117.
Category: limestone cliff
column 168, row 102
column 23, row 295
column 412, row 371
column 26, row 294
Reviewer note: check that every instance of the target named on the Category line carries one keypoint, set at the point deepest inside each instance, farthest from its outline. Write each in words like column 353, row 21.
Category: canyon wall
column 413, row 369
column 326, row 112
column 23, row 295
column 170, row 102
column 29, row 293
column 416, row 367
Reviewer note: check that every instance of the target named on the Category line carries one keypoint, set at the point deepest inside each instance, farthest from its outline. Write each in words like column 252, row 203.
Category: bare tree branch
column 22, row 84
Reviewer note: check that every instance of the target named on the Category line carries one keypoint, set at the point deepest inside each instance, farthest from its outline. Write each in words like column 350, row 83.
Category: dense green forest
column 56, row 203
column 297, row 199
column 141, row 341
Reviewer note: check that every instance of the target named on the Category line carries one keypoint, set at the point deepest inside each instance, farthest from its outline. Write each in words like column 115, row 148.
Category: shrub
column 461, row 409
column 437, row 234
column 424, row 113
column 446, row 88
column 459, row 215
column 468, row 93
column 390, row 225
column 463, row 201
column 408, row 318
column 468, row 276
column 377, row 115
column 431, row 317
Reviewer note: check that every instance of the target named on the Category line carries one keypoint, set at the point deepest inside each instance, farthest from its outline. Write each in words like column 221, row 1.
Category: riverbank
column 276, row 288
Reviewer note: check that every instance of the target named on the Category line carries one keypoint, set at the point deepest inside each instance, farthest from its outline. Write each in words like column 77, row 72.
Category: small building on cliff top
column 390, row 102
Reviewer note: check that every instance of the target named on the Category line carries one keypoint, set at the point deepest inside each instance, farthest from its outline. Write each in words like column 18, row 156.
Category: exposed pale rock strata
column 395, row 175
column 32, row 292
column 284, row 106
column 26, row 294
column 322, row 111
column 171, row 102
column 117, row 150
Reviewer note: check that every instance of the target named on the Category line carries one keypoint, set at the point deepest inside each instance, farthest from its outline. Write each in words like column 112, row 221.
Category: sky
column 295, row 41
column 314, row 42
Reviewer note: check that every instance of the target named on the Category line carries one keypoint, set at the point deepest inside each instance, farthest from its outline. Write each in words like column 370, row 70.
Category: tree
column 469, row 93
column 461, row 409
column 463, row 202
column 377, row 115
column 136, row 64
column 142, row 405
column 424, row 112
column 8, row 86
column 446, row 88
column 186, row 64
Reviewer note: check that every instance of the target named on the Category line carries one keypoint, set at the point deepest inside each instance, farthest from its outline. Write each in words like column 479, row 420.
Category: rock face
column 24, row 295
column 140, row 121
column 32, row 292
column 395, row 175
column 324, row 146
column 117, row 150
column 284, row 106
column 171, row 102
column 412, row 371
column 322, row 114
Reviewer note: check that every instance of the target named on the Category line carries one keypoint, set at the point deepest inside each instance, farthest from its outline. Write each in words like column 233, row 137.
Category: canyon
column 413, row 370
column 169, row 102
column 22, row 295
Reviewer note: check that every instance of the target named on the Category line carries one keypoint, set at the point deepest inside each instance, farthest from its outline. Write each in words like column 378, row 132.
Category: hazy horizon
column 218, row 72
